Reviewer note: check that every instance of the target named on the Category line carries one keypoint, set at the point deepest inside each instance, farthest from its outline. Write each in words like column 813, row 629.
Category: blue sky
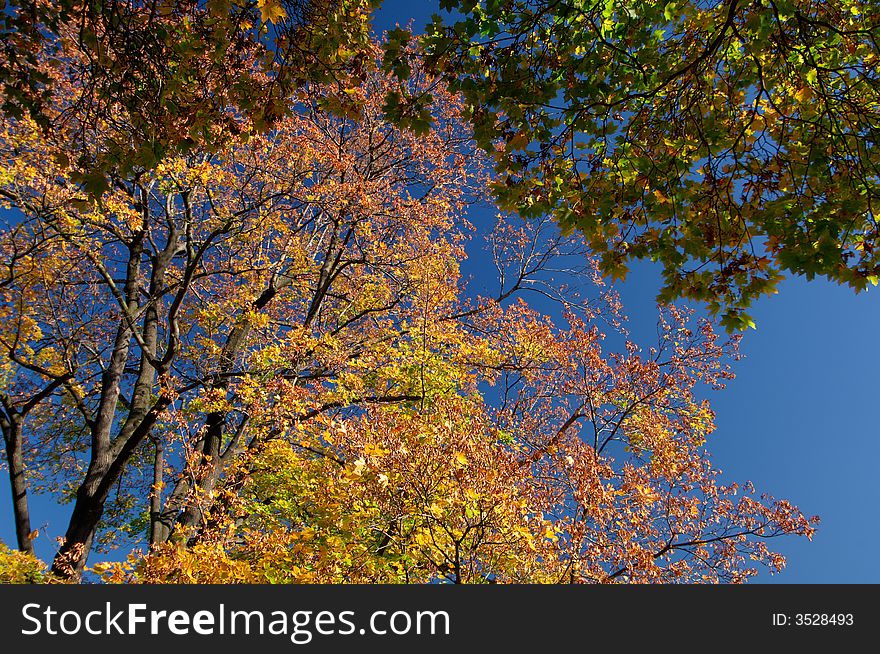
column 800, row 418
column 799, row 421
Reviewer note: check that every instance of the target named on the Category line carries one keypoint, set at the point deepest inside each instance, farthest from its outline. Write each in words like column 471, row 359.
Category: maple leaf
column 271, row 11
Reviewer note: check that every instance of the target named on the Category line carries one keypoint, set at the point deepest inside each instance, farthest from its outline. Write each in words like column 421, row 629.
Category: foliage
column 731, row 141
column 259, row 359
column 155, row 78
column 291, row 273
column 20, row 568
column 594, row 471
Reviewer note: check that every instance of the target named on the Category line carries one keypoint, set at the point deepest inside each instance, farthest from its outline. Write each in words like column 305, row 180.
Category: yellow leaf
column 271, row 11
column 660, row 197
column 804, row 93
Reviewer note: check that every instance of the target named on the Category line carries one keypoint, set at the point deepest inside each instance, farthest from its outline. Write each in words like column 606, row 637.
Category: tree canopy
column 235, row 333
column 730, row 140
column 164, row 77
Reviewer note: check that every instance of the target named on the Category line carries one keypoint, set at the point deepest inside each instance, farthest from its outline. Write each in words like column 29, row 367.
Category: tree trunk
column 15, row 460
column 70, row 562
column 156, row 492
column 110, row 455
column 103, row 473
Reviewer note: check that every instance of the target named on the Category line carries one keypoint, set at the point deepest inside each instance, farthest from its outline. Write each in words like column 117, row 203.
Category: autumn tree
column 259, row 358
column 139, row 328
column 732, row 141
column 156, row 78
column 588, row 468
